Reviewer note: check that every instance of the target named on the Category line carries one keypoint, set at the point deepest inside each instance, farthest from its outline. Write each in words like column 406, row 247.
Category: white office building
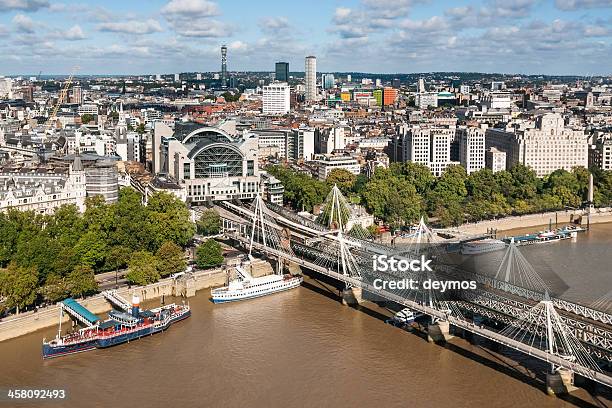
column 545, row 148
column 327, row 163
column 276, row 99
column 430, row 146
column 495, row 160
column 471, row 148
column 426, row 99
column 310, row 79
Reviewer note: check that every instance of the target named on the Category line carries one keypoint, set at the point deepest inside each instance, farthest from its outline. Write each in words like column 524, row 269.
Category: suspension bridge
column 572, row 338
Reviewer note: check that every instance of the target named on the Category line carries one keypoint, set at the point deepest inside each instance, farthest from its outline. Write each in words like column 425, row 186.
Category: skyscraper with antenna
column 223, row 66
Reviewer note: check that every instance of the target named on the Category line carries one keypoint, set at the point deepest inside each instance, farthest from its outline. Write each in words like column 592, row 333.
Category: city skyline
column 556, row 37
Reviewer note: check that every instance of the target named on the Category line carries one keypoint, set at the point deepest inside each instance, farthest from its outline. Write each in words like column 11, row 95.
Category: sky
column 560, row 37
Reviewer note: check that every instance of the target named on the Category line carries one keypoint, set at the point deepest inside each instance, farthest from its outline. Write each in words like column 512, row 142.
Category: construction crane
column 60, row 100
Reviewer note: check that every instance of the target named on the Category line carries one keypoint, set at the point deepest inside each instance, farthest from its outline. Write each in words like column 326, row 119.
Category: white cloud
column 131, row 27
column 581, row 4
column 191, row 18
column 191, row 8
column 23, row 5
column 274, row 25
column 23, row 23
column 203, row 29
column 342, row 13
column 74, row 33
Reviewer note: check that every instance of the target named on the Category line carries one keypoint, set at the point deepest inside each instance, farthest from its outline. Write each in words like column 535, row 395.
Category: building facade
column 495, row 160
column 471, row 148
column 42, row 191
column 282, row 71
column 310, row 79
column 210, row 163
column 276, row 99
column 546, row 147
column 326, row 164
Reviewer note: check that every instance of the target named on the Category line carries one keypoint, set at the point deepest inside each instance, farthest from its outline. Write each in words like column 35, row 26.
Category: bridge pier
column 560, row 382
column 439, row 332
column 352, row 296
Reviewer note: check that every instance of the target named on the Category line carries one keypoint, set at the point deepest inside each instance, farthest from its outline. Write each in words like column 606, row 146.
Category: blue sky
column 164, row 36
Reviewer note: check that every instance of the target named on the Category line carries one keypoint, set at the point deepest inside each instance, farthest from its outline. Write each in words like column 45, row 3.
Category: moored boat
column 121, row 327
column 246, row 286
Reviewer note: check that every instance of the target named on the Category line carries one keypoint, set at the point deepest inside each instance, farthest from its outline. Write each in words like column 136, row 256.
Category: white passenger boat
column 482, row 246
column 246, row 287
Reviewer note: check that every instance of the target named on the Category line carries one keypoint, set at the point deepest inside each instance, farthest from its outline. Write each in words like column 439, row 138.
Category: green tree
column 142, row 268
column 81, row 281
column 391, row 198
column 343, row 178
column 525, row 182
column 91, row 249
column 482, row 184
column 127, row 221
column 86, row 118
column 170, row 259
column 168, row 220
column 140, row 129
column 117, row 257
column 209, row 254
column 449, row 191
column 418, row 175
column 209, row 222
column 18, row 286
column 55, row 288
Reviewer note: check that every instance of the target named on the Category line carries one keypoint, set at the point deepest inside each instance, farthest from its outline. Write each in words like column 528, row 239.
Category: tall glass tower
column 282, row 71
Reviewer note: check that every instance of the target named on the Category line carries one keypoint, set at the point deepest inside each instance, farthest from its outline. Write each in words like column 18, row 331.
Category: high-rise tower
column 223, row 66
column 310, row 78
column 282, row 71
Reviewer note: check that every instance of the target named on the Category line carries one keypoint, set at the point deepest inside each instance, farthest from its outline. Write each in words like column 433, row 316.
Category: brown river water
column 303, row 348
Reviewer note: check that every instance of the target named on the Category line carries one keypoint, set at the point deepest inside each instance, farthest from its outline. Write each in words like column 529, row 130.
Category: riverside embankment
column 24, row 323
column 601, row 215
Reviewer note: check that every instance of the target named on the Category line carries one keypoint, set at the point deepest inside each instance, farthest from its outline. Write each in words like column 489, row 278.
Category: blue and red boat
column 122, row 326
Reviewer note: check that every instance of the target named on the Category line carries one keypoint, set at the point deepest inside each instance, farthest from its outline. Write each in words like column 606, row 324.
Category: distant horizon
column 360, row 73
column 543, row 37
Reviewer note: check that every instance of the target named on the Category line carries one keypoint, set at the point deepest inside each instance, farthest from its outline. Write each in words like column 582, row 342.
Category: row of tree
column 50, row 257
column 404, row 192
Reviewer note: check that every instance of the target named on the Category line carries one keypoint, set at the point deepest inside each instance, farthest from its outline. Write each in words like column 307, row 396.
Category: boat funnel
column 135, row 306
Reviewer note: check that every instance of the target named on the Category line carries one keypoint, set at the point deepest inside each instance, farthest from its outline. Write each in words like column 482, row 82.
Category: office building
column 495, row 160
column 389, row 96
column 310, row 79
column 471, row 148
column 276, row 99
column 77, row 94
column 282, row 71
column 545, row 148
column 430, row 146
column 425, row 100
column 600, row 153
column 327, row 81
column 327, row 164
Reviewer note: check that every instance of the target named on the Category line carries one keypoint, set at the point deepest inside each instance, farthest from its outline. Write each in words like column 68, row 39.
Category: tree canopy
column 209, row 254
column 62, row 252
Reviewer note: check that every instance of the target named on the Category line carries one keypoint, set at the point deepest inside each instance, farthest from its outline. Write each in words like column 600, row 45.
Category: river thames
column 303, row 348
